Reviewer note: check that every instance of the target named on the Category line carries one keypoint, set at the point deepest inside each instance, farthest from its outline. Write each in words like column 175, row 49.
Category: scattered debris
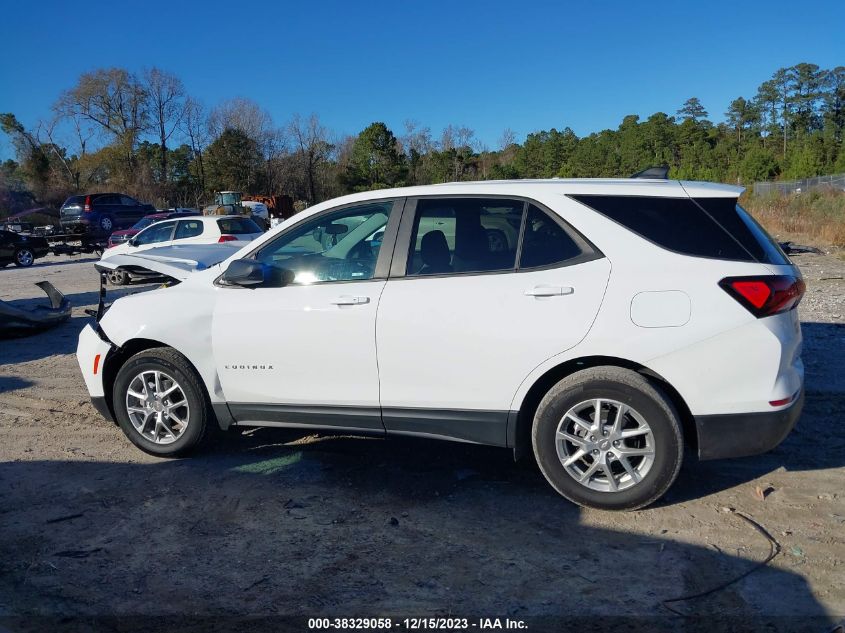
column 78, row 553
column 796, row 551
column 261, row 580
column 791, row 248
column 65, row 518
column 774, row 550
column 761, row 492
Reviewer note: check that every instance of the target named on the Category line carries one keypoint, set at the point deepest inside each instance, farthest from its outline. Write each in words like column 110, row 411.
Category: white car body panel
column 468, row 348
column 321, row 352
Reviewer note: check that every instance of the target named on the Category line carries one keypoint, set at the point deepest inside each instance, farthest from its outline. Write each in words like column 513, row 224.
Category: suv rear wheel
column 160, row 403
column 607, row 438
column 106, row 224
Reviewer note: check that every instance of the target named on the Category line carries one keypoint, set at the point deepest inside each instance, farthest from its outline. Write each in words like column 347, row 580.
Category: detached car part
column 16, row 321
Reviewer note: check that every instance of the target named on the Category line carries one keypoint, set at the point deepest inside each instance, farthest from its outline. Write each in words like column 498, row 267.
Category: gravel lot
column 275, row 522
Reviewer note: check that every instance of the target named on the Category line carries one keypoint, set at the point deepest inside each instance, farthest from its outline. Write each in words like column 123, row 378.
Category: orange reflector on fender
column 96, row 363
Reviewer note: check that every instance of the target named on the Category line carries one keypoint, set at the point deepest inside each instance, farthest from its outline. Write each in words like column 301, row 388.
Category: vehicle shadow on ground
column 343, row 527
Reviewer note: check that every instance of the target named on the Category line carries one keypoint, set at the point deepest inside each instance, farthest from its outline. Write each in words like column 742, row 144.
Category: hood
column 177, row 262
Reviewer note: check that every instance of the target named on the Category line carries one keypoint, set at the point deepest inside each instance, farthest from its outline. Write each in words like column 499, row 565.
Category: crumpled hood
column 177, row 262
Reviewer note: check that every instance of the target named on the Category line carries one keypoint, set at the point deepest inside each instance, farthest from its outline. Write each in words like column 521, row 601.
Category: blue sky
column 488, row 65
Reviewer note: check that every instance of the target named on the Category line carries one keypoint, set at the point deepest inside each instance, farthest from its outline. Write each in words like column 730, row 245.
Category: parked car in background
column 119, row 237
column 258, row 212
column 629, row 320
column 184, row 230
column 99, row 214
column 22, row 250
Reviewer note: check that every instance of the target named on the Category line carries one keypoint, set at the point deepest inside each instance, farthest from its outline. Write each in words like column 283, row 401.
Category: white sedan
column 190, row 230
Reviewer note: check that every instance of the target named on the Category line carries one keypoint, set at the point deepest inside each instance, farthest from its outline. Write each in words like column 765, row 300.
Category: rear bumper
column 743, row 434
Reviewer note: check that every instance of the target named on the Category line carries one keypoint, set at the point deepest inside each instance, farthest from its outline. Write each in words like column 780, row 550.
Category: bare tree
column 115, row 101
column 194, row 126
column 244, row 115
column 507, row 139
column 312, row 148
column 167, row 102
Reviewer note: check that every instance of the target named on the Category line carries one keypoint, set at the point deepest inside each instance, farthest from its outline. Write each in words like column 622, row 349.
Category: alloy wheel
column 605, row 445
column 157, row 407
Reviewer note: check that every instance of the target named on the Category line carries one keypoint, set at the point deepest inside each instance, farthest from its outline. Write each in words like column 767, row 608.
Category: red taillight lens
column 227, row 238
column 87, row 207
column 767, row 294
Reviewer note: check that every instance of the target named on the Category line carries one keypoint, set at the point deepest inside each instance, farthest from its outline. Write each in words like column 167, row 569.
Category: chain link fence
column 837, row 182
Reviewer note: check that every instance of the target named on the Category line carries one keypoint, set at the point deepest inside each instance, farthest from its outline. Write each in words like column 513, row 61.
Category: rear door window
column 188, row 228
column 237, row 226
column 101, row 201
column 546, row 242
column 464, row 235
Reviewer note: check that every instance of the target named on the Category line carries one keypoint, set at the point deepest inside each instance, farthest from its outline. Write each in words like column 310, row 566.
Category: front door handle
column 549, row 291
column 348, row 300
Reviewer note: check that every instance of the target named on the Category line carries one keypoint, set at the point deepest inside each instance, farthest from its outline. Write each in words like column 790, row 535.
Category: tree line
column 143, row 134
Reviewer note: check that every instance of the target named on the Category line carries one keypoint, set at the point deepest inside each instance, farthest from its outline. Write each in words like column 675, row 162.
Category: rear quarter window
column 237, row 226
column 676, row 224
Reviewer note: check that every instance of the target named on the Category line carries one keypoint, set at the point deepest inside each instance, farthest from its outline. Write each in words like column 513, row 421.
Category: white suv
column 603, row 324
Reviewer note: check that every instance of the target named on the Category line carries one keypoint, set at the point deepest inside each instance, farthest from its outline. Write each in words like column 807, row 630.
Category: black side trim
column 299, row 416
column 468, row 425
column 740, row 435
column 102, row 407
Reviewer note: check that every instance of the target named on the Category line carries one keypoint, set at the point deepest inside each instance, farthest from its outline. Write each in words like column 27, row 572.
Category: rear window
column 715, row 227
column 238, row 226
column 74, row 201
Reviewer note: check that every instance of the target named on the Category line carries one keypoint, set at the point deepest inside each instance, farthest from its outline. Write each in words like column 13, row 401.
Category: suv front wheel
column 607, row 438
column 160, row 403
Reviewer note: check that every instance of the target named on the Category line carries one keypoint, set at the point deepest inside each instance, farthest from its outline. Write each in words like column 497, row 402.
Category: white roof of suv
column 561, row 186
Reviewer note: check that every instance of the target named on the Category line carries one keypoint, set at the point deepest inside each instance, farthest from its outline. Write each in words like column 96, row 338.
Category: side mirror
column 132, row 242
column 250, row 273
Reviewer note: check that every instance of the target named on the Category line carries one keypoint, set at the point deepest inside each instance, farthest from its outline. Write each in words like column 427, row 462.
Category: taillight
column 227, row 238
column 765, row 295
column 87, row 207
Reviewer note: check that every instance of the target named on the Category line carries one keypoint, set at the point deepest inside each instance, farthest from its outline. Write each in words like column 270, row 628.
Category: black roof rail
column 657, row 173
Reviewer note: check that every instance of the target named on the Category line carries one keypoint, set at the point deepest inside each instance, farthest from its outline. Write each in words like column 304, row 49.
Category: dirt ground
column 274, row 522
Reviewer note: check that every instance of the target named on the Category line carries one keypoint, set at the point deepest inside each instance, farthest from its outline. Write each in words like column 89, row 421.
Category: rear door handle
column 549, row 291
column 348, row 300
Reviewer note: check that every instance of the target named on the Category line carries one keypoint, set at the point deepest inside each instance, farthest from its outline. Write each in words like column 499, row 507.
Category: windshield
column 142, row 223
column 229, row 197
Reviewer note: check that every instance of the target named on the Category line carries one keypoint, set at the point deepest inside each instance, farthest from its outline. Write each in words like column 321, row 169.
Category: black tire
column 24, row 258
column 632, row 390
column 177, row 366
column 118, row 277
